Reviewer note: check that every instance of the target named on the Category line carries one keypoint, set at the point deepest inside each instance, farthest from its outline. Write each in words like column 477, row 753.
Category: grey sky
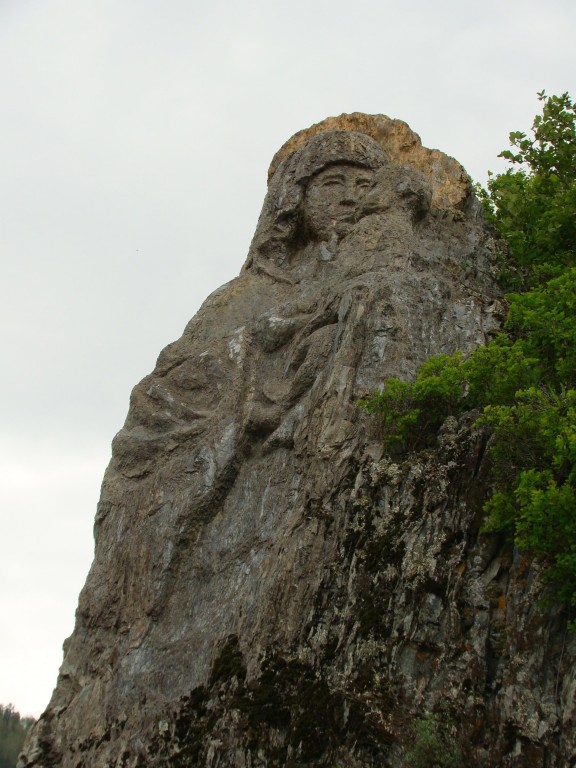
column 134, row 143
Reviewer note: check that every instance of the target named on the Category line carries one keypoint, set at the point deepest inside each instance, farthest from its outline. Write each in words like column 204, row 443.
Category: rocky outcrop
column 269, row 588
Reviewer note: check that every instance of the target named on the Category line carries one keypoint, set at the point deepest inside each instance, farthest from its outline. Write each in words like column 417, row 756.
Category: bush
column 434, row 745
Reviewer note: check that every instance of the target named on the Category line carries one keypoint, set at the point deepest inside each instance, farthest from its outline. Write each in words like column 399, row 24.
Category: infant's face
column 332, row 201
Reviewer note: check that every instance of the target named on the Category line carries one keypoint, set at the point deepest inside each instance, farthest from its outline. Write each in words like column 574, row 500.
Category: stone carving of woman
column 248, row 426
column 305, row 201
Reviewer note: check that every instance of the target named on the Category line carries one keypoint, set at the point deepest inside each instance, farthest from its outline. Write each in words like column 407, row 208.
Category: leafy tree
column 13, row 730
column 533, row 203
column 524, row 381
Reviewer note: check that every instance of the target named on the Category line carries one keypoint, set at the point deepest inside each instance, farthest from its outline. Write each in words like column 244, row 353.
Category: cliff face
column 268, row 587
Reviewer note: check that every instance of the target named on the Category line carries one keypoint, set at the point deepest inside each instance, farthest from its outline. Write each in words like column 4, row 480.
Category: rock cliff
column 269, row 588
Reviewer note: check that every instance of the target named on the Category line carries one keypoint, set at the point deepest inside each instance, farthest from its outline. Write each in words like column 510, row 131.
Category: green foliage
column 434, row 745
column 533, row 203
column 13, row 730
column 395, row 410
column 545, row 319
column 523, row 381
column 408, row 411
column 534, row 457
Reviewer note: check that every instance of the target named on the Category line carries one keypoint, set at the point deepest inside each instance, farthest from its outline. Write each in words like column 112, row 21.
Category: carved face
column 331, row 204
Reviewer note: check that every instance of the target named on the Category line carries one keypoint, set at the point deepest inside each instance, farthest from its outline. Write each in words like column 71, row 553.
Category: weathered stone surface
column 449, row 181
column 268, row 588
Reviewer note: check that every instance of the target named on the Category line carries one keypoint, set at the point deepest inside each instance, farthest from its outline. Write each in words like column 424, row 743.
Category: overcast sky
column 135, row 136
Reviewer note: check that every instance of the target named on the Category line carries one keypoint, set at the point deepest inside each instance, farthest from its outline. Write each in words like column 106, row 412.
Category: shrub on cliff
column 524, row 381
column 434, row 744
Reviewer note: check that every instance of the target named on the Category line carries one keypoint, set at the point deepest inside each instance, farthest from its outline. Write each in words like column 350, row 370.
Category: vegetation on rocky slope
column 524, row 381
column 13, row 730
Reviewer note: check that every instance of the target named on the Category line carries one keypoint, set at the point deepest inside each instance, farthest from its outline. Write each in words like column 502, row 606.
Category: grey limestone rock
column 268, row 588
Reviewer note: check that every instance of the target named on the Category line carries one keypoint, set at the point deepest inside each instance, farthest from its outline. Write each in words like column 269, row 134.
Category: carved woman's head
column 315, row 194
column 332, row 200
